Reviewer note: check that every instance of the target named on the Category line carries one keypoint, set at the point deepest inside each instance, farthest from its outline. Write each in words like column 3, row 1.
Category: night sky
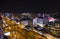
column 17, row 6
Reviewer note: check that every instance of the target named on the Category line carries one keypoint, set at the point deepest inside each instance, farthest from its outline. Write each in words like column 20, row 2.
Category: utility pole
column 1, row 28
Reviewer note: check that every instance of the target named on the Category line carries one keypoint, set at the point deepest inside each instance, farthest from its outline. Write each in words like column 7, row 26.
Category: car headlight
column 17, row 22
column 7, row 33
